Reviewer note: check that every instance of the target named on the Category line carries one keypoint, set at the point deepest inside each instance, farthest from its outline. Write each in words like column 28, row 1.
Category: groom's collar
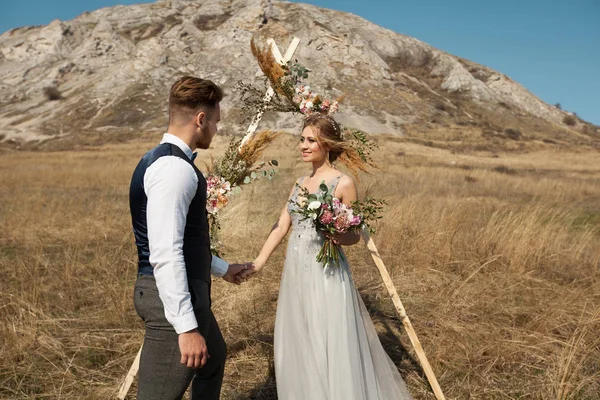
column 172, row 139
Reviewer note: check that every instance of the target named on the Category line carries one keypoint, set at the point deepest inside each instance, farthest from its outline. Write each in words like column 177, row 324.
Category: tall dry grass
column 495, row 258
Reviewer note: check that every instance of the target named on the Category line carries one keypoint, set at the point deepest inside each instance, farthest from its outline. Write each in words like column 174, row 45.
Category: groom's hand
column 234, row 273
column 192, row 346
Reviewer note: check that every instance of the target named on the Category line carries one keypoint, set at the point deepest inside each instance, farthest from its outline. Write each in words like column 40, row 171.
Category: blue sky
column 550, row 47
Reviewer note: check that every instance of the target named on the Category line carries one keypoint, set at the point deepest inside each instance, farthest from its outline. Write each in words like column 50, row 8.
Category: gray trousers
column 161, row 375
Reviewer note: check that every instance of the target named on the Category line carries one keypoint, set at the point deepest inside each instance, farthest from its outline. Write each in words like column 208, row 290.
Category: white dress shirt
column 170, row 184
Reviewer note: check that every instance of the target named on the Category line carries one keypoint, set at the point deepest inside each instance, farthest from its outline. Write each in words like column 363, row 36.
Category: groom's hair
column 190, row 95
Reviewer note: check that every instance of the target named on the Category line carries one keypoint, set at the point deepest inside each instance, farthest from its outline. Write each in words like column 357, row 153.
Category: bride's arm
column 278, row 232
column 347, row 193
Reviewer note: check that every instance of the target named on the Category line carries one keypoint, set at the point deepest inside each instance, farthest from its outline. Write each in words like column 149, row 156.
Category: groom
column 167, row 199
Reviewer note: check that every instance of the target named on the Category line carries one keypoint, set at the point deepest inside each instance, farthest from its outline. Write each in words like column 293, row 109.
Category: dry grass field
column 496, row 257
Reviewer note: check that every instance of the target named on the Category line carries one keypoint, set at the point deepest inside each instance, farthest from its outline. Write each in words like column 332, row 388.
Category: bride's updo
column 331, row 138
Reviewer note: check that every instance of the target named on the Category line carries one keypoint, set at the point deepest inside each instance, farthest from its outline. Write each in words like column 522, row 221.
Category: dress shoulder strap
column 296, row 185
column 334, row 182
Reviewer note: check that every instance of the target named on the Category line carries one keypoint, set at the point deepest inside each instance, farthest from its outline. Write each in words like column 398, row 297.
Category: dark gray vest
column 196, row 240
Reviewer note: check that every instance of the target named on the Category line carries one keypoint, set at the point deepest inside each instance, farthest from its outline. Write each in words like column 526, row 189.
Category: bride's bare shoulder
column 346, row 181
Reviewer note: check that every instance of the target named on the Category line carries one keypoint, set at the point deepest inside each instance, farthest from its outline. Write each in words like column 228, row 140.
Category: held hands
column 238, row 273
column 257, row 266
column 235, row 271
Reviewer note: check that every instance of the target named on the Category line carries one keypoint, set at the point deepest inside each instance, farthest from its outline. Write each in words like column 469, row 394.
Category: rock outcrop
column 108, row 72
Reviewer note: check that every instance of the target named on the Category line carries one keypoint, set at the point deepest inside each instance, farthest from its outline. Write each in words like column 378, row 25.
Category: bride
column 326, row 347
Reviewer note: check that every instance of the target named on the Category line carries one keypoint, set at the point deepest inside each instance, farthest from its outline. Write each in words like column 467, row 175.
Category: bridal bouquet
column 331, row 217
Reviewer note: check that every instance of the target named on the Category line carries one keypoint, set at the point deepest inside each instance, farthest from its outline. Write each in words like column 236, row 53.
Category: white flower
column 309, row 105
column 334, row 107
column 313, row 216
column 314, row 205
column 225, row 187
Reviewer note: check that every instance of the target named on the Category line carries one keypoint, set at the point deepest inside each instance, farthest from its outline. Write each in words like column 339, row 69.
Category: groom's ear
column 200, row 119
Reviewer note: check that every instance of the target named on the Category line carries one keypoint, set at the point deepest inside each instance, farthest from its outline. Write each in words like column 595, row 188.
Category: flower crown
column 334, row 124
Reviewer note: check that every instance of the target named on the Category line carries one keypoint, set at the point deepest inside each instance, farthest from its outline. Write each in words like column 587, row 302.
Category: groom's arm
column 170, row 184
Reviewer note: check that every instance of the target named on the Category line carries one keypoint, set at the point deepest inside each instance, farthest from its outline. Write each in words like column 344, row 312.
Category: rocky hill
column 105, row 75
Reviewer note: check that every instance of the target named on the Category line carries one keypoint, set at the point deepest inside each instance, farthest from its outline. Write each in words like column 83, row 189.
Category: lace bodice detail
column 305, row 225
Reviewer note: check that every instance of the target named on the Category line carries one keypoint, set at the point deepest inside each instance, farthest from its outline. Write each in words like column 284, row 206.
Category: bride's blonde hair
column 331, row 138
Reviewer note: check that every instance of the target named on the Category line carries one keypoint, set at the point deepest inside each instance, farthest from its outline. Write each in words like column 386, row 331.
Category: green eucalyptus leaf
column 312, row 197
column 323, row 187
column 253, row 175
column 247, row 180
column 275, row 163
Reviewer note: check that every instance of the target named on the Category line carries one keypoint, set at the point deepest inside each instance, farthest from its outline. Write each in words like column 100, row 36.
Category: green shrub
column 52, row 93
column 569, row 120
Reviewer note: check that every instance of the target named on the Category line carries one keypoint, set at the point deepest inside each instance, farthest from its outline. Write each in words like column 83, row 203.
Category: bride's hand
column 254, row 269
column 344, row 239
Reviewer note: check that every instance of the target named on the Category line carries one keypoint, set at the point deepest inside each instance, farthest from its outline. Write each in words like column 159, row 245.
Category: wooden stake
column 402, row 312
column 130, row 375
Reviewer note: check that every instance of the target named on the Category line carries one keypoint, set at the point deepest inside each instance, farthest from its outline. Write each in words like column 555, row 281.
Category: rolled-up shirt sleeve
column 218, row 266
column 170, row 184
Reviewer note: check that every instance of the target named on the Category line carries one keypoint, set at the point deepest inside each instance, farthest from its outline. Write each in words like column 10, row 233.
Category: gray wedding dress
column 326, row 346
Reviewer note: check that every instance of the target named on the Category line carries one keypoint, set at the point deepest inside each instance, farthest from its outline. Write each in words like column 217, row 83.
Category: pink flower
column 326, row 217
column 341, row 224
column 355, row 221
column 325, row 206
column 211, row 206
column 210, row 183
